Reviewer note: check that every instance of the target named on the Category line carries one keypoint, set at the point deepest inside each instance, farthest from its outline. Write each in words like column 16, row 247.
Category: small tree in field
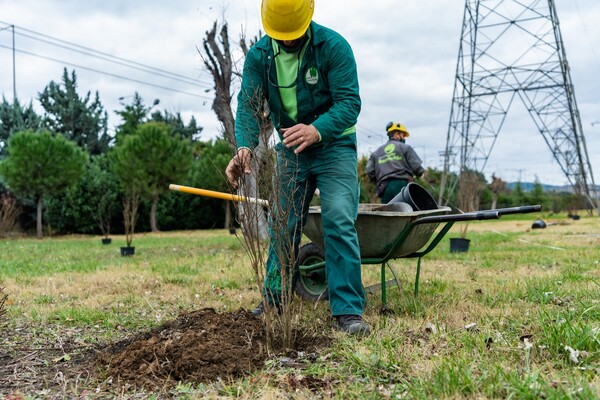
column 41, row 163
column 151, row 159
column 104, row 189
column 131, row 202
column 128, row 176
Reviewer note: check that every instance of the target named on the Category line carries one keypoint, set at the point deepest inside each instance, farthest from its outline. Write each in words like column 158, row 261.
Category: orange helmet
column 286, row 19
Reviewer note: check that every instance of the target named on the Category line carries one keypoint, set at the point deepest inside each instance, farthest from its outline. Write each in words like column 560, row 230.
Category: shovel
column 217, row 195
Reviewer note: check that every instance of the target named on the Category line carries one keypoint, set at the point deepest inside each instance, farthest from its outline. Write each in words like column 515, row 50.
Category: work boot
column 260, row 309
column 352, row 325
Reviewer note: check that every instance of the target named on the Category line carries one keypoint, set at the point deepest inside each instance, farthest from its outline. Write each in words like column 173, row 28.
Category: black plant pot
column 459, row 245
column 127, row 251
column 106, row 240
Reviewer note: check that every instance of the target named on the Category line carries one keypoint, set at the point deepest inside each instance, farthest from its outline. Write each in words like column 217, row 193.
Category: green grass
column 530, row 294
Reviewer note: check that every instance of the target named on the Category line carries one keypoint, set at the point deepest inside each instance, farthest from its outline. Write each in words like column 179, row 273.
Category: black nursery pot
column 127, row 251
column 459, row 245
column 106, row 240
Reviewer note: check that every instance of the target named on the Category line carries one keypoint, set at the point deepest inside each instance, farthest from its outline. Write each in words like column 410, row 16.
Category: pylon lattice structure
column 514, row 50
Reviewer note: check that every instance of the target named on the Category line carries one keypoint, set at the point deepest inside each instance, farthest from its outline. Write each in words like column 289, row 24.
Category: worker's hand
column 300, row 135
column 238, row 165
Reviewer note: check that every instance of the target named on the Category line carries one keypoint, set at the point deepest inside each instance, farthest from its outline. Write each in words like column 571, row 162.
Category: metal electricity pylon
column 514, row 50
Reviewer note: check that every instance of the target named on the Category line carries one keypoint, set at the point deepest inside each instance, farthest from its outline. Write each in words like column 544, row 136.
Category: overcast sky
column 406, row 54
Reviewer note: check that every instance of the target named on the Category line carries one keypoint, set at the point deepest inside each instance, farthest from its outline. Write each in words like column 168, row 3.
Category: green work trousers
column 333, row 169
column 392, row 189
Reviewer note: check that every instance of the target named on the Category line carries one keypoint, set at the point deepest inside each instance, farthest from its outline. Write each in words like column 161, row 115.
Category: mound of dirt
column 198, row 346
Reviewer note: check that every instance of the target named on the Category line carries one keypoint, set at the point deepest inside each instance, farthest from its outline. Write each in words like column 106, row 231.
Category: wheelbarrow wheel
column 311, row 285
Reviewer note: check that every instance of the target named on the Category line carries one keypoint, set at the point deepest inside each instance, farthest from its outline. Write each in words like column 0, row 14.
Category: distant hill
column 528, row 187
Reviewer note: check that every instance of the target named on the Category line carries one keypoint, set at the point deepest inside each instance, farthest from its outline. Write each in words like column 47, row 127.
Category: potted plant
column 102, row 214
column 126, row 166
column 131, row 201
column 103, row 188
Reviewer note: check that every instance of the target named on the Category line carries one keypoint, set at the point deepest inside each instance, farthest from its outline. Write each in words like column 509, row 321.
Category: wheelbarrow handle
column 478, row 215
column 518, row 210
column 470, row 216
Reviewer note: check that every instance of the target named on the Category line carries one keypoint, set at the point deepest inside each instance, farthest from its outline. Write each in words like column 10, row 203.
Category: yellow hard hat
column 396, row 126
column 286, row 19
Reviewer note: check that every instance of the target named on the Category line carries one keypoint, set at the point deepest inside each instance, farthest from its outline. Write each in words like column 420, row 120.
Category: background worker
column 308, row 75
column 393, row 165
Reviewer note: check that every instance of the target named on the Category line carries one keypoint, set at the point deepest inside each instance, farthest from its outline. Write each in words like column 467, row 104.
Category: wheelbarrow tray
column 379, row 231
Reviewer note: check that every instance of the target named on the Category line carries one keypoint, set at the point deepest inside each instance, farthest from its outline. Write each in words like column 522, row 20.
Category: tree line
column 61, row 172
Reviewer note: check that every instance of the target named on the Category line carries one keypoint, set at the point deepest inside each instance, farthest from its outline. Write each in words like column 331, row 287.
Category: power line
column 109, row 74
column 143, row 68
column 103, row 55
column 108, row 58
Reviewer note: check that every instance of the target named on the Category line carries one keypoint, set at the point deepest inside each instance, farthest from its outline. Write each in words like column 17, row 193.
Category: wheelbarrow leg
column 383, row 288
column 417, row 277
column 384, row 284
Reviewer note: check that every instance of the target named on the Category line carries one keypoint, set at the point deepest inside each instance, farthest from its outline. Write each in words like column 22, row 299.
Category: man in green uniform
column 307, row 73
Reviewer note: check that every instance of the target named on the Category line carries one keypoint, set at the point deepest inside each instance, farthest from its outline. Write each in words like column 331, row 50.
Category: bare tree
column 218, row 60
column 9, row 214
column 271, row 183
column 131, row 202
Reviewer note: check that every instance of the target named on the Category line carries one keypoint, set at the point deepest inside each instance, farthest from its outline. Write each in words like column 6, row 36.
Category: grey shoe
column 261, row 308
column 352, row 325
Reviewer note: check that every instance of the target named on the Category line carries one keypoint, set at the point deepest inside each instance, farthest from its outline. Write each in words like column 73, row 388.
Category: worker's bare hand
column 238, row 165
column 300, row 135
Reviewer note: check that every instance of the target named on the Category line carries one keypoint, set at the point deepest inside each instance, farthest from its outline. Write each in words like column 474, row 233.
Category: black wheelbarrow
column 383, row 236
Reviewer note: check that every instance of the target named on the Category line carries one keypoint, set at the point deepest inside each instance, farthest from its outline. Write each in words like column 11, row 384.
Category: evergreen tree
column 133, row 115
column 191, row 132
column 81, row 120
column 518, row 195
column 39, row 164
column 538, row 196
column 16, row 118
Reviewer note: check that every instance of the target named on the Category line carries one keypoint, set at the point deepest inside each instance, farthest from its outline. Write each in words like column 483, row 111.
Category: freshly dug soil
column 198, row 346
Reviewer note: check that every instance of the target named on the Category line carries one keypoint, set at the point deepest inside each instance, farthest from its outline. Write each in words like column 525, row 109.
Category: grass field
column 518, row 316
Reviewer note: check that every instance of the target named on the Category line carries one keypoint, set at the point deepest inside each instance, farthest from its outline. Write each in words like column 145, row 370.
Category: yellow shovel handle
column 217, row 195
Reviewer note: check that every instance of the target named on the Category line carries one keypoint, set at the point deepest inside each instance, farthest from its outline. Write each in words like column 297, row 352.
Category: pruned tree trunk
column 153, row 224
column 497, row 187
column 494, row 200
column 253, row 218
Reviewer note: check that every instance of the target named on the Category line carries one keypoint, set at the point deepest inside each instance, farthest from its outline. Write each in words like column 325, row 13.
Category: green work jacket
column 327, row 90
